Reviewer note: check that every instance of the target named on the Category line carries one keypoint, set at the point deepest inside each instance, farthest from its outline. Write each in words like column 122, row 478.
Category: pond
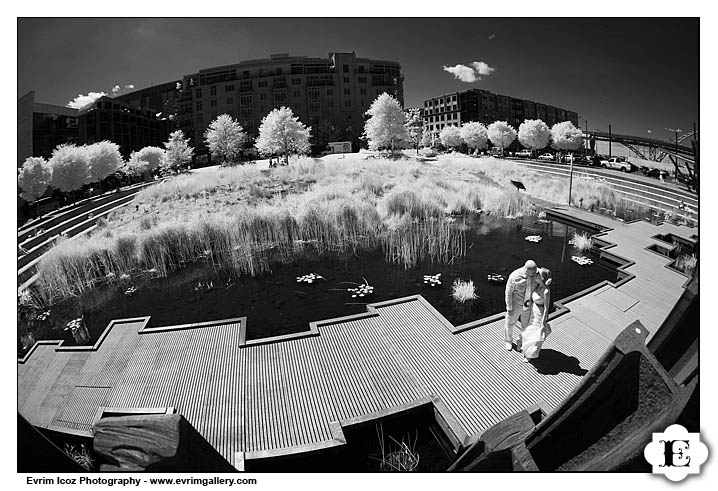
column 278, row 304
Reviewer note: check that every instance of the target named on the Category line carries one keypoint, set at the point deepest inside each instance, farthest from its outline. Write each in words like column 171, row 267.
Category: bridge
column 636, row 143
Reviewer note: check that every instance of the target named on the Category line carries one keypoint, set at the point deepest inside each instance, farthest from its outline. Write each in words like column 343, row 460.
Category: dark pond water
column 370, row 445
column 277, row 304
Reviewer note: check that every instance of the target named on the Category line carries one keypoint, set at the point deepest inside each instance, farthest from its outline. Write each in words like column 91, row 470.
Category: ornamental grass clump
column 463, row 291
column 581, row 241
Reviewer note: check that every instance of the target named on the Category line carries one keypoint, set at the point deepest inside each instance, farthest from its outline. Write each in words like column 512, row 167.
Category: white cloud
column 82, row 101
column 492, row 36
column 483, row 68
column 650, row 131
column 470, row 73
column 116, row 89
column 130, row 86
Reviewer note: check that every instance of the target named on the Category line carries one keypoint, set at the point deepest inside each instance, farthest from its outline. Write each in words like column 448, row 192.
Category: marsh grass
column 686, row 263
column 229, row 219
column 80, row 454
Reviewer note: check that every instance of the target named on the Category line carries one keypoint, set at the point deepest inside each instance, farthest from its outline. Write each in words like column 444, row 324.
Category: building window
column 347, row 103
column 198, row 106
column 198, row 93
column 362, row 91
column 213, row 90
column 313, row 93
column 314, row 107
column 347, row 91
column 230, row 100
column 363, row 103
column 330, row 91
column 213, row 103
column 330, row 104
column 362, row 80
column 246, row 112
column 298, row 105
column 262, row 83
column 262, row 96
column 296, row 93
column 346, row 80
column 296, row 81
column 346, row 68
column 245, row 99
column 199, row 118
column 229, row 88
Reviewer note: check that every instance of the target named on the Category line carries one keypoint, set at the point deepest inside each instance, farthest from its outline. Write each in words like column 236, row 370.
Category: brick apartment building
column 485, row 107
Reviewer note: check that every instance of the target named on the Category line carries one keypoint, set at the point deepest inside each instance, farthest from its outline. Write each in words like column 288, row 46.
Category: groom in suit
column 519, row 287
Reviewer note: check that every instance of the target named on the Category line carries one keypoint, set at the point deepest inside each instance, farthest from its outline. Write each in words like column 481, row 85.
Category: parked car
column 583, row 160
column 618, row 163
column 524, row 154
column 546, row 156
column 653, row 172
column 496, row 152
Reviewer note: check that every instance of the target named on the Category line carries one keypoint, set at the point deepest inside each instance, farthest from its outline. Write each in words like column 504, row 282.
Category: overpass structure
column 648, row 148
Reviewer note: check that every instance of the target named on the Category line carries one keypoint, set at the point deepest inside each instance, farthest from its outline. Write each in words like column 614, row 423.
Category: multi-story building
column 329, row 94
column 161, row 99
column 125, row 124
column 41, row 127
column 485, row 107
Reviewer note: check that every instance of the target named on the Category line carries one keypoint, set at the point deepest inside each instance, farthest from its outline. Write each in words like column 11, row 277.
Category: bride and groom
column 528, row 298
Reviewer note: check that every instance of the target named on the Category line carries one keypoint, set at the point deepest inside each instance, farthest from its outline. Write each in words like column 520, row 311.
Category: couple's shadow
column 552, row 362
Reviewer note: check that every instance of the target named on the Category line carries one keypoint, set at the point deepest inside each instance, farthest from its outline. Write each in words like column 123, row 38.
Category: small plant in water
column 309, row 278
column 131, row 291
column 534, row 238
column 495, row 278
column 362, row 290
column 81, row 455
column 581, row 241
column 463, row 291
column 41, row 316
column 78, row 330
column 687, row 263
column 398, row 456
column 432, row 280
column 204, row 286
column 582, row 260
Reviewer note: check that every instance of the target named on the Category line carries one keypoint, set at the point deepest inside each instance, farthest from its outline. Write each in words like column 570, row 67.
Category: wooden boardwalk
column 263, row 398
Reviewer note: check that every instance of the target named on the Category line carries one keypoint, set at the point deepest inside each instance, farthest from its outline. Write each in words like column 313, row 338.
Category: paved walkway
column 259, row 398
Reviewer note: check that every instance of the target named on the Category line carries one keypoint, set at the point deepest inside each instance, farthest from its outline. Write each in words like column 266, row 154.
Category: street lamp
column 585, row 133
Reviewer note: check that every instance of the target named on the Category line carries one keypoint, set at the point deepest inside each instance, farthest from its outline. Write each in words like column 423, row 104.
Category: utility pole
column 609, row 141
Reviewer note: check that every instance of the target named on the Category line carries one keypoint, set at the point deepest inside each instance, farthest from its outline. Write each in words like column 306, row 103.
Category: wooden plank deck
column 290, row 394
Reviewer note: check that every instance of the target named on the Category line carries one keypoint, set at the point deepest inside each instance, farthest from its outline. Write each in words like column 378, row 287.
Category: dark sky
column 637, row 74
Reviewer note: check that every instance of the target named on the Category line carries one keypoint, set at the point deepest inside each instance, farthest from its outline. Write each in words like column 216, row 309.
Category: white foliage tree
column 178, row 153
column 34, row 177
column 144, row 161
column 534, row 134
column 501, row 134
column 565, row 136
column 135, row 166
column 474, row 135
column 450, row 136
column 70, row 167
column 415, row 127
column 281, row 133
column 104, row 159
column 225, row 138
column 386, row 126
column 152, row 157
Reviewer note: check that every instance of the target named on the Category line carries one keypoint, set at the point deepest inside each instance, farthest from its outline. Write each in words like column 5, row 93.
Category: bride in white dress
column 538, row 329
